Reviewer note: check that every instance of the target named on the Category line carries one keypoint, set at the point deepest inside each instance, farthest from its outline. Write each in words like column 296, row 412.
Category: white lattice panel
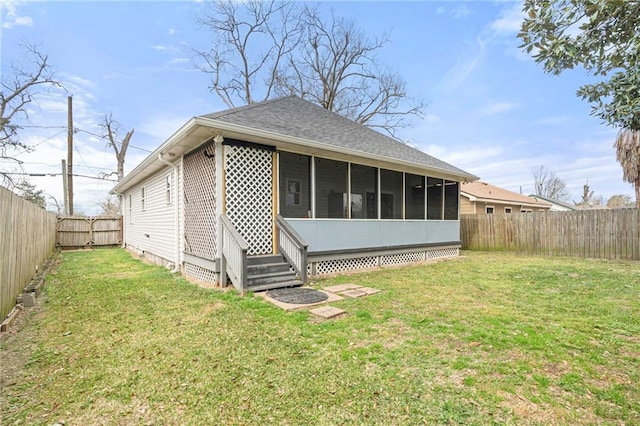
column 248, row 191
column 199, row 273
column 441, row 253
column 200, row 221
column 401, row 258
column 341, row 265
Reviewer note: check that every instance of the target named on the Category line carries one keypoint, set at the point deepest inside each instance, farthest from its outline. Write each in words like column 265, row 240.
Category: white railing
column 292, row 247
column 233, row 260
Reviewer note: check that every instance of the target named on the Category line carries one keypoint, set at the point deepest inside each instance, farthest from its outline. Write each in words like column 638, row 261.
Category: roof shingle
column 296, row 117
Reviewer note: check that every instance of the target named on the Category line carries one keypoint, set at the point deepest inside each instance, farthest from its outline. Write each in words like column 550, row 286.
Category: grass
column 487, row 338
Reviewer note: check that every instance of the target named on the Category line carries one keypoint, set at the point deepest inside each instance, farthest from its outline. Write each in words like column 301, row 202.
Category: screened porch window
column 364, row 192
column 414, row 196
column 450, row 200
column 295, row 185
column 331, row 188
column 374, row 193
column 434, row 198
column 390, row 194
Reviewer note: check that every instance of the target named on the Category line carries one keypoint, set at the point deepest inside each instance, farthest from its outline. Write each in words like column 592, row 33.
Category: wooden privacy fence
column 611, row 234
column 27, row 239
column 77, row 231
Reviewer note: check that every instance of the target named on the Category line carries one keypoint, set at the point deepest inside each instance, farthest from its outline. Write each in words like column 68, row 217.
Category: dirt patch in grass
column 392, row 333
column 19, row 341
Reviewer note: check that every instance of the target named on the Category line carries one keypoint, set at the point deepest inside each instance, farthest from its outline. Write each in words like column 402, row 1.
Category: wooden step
column 272, row 286
column 265, row 268
column 270, row 277
column 265, row 258
column 268, row 272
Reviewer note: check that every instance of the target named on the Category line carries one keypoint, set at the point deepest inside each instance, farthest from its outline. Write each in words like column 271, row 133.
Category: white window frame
column 508, row 208
column 486, row 209
column 523, row 210
column 168, row 189
column 297, row 182
column 143, row 206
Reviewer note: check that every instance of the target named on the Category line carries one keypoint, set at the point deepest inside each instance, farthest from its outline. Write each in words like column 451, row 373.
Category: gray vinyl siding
column 152, row 230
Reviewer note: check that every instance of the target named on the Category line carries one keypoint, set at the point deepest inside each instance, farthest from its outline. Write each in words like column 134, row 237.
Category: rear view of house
column 259, row 191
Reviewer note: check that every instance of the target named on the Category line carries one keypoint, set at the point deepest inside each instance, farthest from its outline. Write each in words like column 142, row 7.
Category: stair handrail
column 233, row 259
column 292, row 246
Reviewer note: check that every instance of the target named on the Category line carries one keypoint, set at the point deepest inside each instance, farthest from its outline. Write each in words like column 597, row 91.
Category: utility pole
column 65, row 189
column 70, row 155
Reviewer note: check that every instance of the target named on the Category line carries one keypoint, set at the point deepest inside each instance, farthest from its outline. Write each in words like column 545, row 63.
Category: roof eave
column 153, row 161
column 152, row 164
column 278, row 137
column 514, row 202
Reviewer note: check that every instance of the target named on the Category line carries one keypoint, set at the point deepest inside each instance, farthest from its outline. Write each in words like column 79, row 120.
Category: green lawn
column 487, row 338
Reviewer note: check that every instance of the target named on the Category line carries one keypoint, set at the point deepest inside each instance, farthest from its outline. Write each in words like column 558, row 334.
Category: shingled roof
column 292, row 121
column 296, row 117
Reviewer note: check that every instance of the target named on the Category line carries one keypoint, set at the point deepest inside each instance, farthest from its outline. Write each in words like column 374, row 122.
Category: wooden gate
column 77, row 231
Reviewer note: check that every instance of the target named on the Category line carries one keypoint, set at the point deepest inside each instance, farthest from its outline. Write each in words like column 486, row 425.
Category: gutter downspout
column 176, row 263
column 122, row 209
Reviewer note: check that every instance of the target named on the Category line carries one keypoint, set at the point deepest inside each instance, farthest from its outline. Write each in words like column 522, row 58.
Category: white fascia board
column 513, row 202
column 129, row 180
column 469, row 196
column 277, row 137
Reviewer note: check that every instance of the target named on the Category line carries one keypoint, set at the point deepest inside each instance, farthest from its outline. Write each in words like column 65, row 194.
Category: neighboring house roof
column 485, row 192
column 288, row 123
column 561, row 205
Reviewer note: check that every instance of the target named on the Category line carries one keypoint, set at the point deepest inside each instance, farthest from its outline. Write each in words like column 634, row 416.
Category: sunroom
column 356, row 216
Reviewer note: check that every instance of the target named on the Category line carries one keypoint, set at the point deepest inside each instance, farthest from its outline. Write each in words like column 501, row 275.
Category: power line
column 107, row 139
column 57, row 174
column 40, row 143
column 43, row 127
column 75, row 148
column 76, row 130
column 58, row 165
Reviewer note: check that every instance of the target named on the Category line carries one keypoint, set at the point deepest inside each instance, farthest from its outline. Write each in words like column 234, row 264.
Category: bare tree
column 250, row 41
column 620, row 201
column 19, row 86
column 110, row 206
column 112, row 128
column 627, row 146
column 548, row 185
column 337, row 69
column 266, row 48
column 21, row 83
column 59, row 209
column 589, row 199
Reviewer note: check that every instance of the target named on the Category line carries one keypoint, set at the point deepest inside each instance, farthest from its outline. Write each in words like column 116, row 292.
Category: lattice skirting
column 199, row 273
column 341, row 265
column 333, row 266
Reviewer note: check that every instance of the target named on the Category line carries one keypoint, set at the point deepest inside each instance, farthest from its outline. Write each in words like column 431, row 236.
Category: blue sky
column 490, row 109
